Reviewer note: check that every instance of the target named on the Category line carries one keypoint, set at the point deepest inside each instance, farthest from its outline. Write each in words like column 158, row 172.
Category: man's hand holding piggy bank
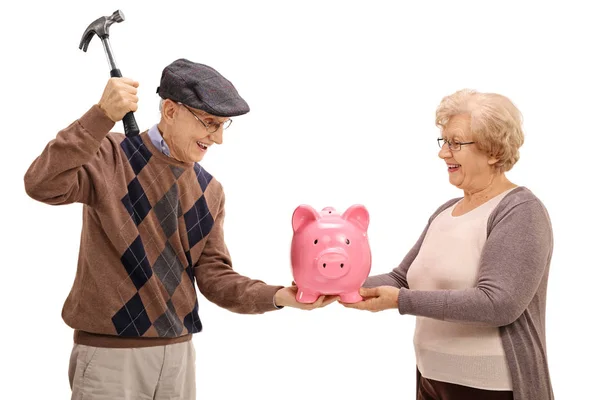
column 286, row 297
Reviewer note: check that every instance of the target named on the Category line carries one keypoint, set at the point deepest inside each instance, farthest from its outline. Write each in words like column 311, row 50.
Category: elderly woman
column 476, row 278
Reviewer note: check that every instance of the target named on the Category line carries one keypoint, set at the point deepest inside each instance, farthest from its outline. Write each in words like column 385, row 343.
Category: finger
column 373, row 305
column 123, row 87
column 361, row 305
column 311, row 306
column 129, row 82
column 125, row 106
column 369, row 292
column 129, row 103
column 319, row 302
column 330, row 300
column 123, row 84
column 131, row 97
column 356, row 306
column 128, row 89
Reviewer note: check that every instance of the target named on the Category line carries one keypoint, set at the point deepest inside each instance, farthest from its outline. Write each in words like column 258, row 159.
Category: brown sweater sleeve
column 220, row 284
column 76, row 165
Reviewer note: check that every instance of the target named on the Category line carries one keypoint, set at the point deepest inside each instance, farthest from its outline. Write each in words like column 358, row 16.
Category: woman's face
column 468, row 168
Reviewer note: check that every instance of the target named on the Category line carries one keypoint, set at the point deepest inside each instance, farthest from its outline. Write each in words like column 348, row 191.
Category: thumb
column 369, row 292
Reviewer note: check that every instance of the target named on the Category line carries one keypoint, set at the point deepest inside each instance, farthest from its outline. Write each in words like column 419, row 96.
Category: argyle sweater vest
column 152, row 228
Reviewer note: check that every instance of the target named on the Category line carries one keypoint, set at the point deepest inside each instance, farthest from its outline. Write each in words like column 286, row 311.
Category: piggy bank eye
column 347, row 241
column 316, row 241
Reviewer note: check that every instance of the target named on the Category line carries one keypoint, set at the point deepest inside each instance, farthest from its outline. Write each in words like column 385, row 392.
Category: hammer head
column 100, row 27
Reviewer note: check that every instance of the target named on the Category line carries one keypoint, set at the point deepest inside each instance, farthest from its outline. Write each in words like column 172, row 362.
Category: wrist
column 277, row 299
column 102, row 108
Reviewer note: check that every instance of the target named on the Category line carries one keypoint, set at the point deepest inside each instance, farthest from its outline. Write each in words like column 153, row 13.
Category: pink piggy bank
column 330, row 252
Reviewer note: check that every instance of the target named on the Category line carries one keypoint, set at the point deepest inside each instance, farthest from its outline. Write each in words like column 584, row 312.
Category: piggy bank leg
column 306, row 297
column 351, row 297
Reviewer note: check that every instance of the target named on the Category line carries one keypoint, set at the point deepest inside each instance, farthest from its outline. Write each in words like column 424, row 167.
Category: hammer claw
column 85, row 40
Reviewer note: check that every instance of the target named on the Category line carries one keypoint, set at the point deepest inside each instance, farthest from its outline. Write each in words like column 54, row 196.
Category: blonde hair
column 496, row 123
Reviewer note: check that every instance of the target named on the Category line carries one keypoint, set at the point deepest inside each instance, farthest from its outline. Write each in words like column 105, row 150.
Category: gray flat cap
column 202, row 87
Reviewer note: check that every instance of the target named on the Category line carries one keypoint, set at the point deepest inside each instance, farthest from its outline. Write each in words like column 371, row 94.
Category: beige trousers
column 153, row 373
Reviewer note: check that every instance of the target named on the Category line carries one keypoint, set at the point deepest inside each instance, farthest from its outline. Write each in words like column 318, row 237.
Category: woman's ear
column 492, row 160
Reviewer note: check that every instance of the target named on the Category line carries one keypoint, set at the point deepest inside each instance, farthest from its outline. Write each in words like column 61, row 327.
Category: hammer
column 100, row 27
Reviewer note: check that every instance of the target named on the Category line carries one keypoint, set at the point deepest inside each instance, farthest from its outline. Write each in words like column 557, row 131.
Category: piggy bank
column 330, row 252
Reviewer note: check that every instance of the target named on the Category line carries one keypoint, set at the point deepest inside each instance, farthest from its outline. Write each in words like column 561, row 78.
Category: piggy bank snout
column 333, row 263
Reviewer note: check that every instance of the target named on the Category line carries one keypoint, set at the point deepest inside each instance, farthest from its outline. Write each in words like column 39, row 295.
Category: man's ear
column 168, row 110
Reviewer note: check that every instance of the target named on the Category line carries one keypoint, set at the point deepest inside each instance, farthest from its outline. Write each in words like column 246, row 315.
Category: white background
column 342, row 100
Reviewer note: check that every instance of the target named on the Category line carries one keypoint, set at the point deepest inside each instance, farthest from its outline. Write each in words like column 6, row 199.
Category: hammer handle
column 129, row 124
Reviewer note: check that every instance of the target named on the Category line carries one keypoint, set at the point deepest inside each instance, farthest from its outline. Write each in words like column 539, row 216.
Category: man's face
column 190, row 132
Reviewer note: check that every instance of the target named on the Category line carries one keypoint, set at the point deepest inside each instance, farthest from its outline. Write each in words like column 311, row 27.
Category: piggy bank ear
column 358, row 215
column 303, row 215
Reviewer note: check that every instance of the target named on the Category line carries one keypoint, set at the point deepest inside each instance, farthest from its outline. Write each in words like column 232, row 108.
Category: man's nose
column 217, row 136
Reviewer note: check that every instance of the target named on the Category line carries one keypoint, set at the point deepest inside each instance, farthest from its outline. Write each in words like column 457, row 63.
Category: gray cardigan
column 510, row 291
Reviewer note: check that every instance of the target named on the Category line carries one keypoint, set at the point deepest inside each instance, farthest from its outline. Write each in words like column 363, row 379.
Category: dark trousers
column 428, row 389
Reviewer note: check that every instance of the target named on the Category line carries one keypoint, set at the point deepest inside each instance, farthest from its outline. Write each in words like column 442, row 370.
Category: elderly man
column 152, row 229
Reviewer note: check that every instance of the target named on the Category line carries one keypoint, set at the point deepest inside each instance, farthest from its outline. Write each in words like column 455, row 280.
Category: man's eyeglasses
column 212, row 127
column 452, row 145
